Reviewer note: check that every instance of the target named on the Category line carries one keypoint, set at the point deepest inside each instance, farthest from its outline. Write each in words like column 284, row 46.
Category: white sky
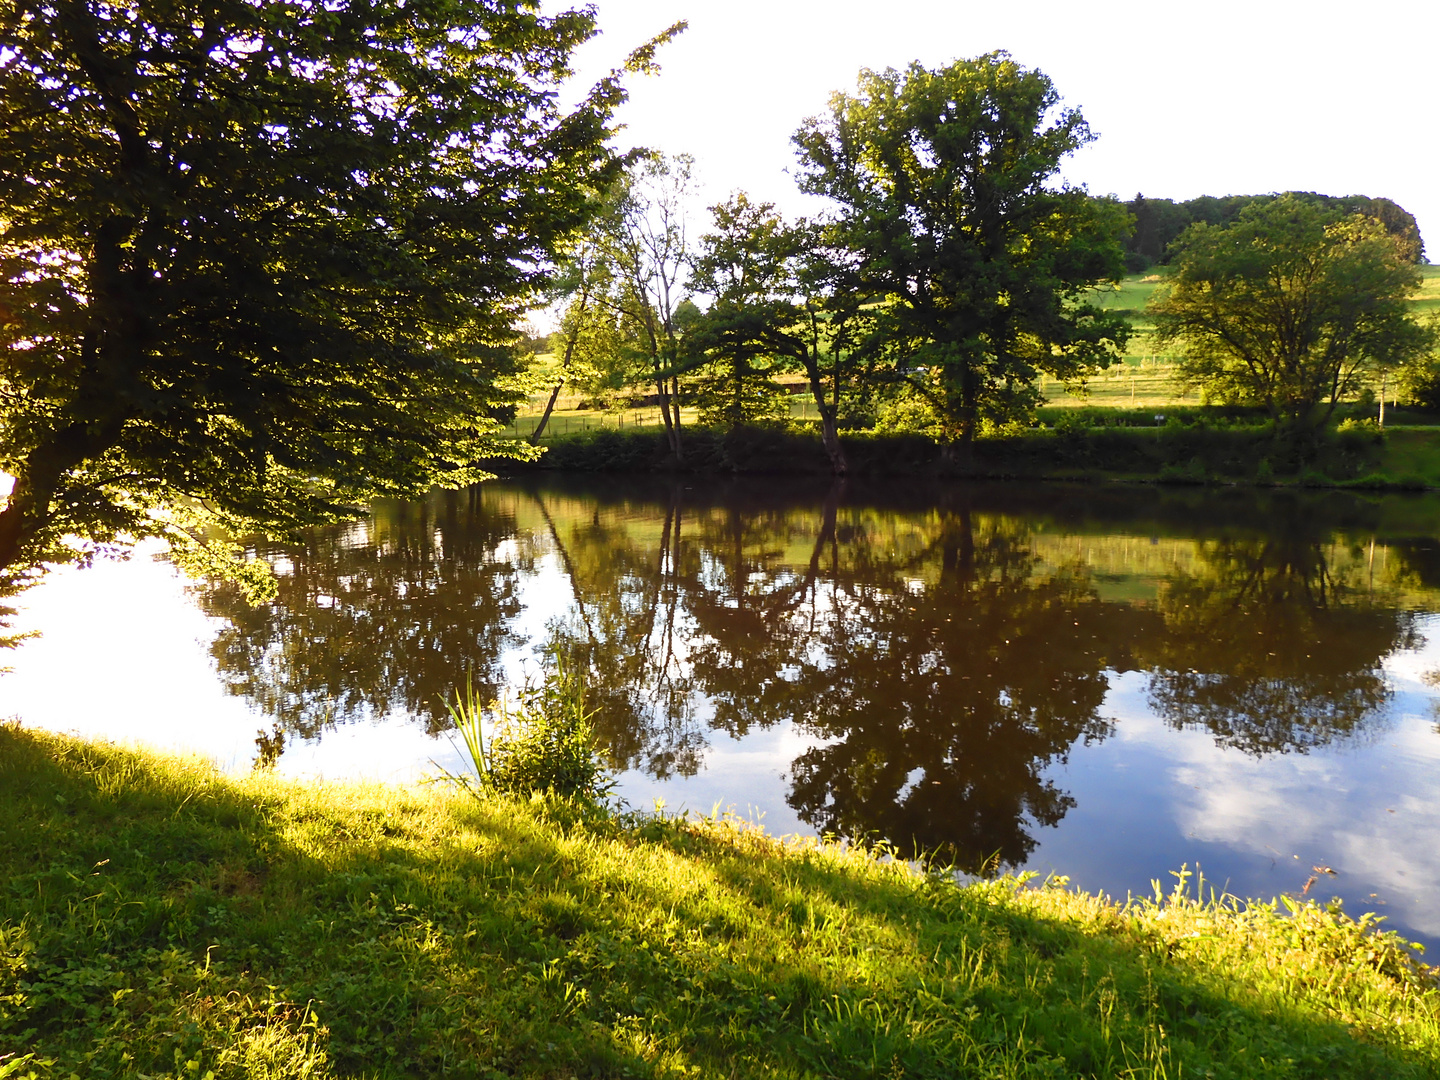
column 1228, row 97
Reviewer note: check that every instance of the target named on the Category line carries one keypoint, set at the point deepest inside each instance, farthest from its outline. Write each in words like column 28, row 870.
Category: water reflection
column 948, row 682
column 377, row 619
column 943, row 648
column 1273, row 643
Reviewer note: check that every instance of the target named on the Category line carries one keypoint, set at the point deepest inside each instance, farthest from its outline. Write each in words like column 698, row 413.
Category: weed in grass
column 468, row 716
column 268, row 747
column 541, row 744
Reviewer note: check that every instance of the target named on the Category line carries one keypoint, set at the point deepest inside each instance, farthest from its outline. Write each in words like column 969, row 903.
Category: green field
column 1429, row 299
column 158, row 919
column 1146, row 379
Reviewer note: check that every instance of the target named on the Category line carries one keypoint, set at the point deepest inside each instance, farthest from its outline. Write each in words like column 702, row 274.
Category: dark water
column 1104, row 682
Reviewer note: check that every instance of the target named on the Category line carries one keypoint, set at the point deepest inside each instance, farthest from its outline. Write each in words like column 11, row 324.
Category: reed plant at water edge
column 541, row 743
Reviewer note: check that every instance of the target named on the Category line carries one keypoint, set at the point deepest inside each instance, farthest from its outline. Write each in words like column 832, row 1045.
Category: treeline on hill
column 1159, row 222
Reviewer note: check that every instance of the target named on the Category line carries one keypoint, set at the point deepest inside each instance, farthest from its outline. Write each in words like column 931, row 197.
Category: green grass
column 160, row 920
column 1428, row 299
column 1412, row 452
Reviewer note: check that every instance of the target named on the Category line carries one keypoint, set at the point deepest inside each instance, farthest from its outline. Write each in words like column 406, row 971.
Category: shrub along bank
column 158, row 919
column 1186, row 448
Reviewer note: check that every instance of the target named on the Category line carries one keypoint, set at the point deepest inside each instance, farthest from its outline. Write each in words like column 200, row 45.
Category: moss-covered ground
column 158, row 919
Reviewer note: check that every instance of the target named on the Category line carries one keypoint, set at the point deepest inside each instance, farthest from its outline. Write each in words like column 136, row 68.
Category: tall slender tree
column 648, row 240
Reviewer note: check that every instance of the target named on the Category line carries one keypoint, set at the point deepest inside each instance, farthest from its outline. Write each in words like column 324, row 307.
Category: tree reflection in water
column 382, row 618
column 626, row 626
column 944, row 653
column 940, row 673
column 1270, row 648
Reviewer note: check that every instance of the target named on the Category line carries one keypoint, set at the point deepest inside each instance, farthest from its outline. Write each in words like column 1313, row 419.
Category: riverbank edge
column 159, row 918
column 1191, row 455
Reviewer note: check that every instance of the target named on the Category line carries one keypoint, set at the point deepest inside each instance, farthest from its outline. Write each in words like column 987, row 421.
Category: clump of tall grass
column 542, row 742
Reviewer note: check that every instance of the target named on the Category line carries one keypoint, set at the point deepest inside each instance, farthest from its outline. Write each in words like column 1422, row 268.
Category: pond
column 1101, row 681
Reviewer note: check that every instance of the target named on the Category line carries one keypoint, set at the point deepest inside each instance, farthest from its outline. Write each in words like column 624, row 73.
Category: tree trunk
column 27, row 511
column 675, row 398
column 19, row 522
column 958, row 455
column 829, row 417
column 830, row 439
column 534, row 436
column 564, row 367
column 672, row 423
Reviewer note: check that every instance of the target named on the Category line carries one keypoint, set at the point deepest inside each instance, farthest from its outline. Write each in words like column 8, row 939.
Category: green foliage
column 268, row 256
column 729, row 398
column 1354, row 433
column 543, row 744
column 1418, row 379
column 158, row 919
column 1158, row 222
column 1191, row 446
column 908, row 415
column 1288, row 308
column 468, row 715
column 981, row 270
column 746, row 264
column 785, row 299
column 644, row 250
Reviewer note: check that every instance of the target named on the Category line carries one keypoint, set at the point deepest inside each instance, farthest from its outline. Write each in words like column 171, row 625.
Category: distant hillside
column 1159, row 221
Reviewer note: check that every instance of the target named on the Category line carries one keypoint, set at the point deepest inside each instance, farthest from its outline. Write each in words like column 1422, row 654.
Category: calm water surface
column 1102, row 682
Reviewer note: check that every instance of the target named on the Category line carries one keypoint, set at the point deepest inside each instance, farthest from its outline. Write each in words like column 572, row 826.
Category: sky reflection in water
column 1104, row 682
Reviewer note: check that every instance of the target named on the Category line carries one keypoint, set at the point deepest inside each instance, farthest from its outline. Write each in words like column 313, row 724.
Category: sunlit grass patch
column 157, row 919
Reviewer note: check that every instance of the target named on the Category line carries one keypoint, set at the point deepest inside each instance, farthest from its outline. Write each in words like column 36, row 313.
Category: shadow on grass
column 157, row 917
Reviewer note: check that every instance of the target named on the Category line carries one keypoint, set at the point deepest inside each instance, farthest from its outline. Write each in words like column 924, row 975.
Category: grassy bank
column 1188, row 446
column 157, row 919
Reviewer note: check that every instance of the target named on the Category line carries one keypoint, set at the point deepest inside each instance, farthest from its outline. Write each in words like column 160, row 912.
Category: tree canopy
column 1288, row 306
column 1159, row 222
column 264, row 259
column 784, row 297
column 945, row 187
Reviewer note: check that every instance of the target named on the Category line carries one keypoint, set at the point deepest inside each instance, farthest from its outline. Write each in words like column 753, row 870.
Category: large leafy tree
column 264, row 258
column 945, row 183
column 1289, row 307
column 745, row 263
column 784, row 298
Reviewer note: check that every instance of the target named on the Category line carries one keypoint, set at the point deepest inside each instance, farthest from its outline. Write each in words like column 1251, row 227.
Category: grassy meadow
column 158, row 919
column 1146, row 378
